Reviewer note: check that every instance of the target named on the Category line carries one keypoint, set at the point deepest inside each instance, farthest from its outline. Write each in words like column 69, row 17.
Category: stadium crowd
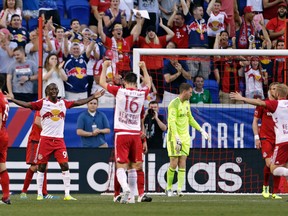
column 111, row 29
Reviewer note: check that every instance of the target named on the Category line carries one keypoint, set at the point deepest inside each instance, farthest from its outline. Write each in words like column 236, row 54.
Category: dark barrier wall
column 229, row 127
column 208, row 170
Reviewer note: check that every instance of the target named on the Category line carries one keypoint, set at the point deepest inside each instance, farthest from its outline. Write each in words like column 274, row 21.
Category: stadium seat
column 78, row 10
column 213, row 87
column 61, row 8
column 66, row 23
column 32, row 24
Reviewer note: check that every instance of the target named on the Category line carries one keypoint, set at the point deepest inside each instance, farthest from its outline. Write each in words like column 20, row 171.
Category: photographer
column 154, row 126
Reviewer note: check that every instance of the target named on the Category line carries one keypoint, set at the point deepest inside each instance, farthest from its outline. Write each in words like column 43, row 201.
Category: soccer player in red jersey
column 31, row 159
column 265, row 139
column 127, row 124
column 4, row 177
column 279, row 110
column 53, row 112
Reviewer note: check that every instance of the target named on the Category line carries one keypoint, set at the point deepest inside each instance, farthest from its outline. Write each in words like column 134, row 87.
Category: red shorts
column 267, row 148
column 280, row 155
column 3, row 146
column 49, row 146
column 128, row 148
column 31, row 151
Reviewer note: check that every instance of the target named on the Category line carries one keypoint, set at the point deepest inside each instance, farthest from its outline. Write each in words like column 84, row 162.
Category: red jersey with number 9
column 129, row 103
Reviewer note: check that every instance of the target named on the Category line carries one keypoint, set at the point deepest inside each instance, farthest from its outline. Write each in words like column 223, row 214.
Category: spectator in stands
column 155, row 64
column 97, row 6
column 226, row 74
column 166, row 10
column 175, row 72
column 223, row 41
column 114, row 15
column 53, row 73
column 76, row 32
column 49, row 9
column 111, row 77
column 176, row 22
column 278, row 64
column 230, row 8
column 199, row 94
column 76, row 69
column 270, row 8
column 152, row 6
column 255, row 79
column 154, row 125
column 245, row 28
column 94, row 57
column 120, row 46
column 262, row 41
column 58, row 43
column 10, row 7
column 92, row 125
column 217, row 21
column 30, row 10
column 6, row 53
column 197, row 40
column 20, row 77
column 19, row 34
column 276, row 26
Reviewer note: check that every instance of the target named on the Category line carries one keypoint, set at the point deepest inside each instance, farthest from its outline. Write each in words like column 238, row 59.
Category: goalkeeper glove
column 178, row 146
column 204, row 134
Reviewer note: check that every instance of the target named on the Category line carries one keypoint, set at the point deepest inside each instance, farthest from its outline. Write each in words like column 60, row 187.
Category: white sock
column 66, row 181
column 280, row 171
column 40, row 180
column 122, row 179
column 132, row 182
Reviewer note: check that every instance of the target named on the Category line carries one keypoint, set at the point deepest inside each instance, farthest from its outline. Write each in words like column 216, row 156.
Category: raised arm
column 210, row 6
column 170, row 22
column 100, row 28
column 170, row 33
column 184, row 7
column 102, row 81
column 146, row 77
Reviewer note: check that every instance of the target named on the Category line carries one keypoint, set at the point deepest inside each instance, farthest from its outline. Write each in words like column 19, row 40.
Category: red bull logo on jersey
column 78, row 72
column 54, row 115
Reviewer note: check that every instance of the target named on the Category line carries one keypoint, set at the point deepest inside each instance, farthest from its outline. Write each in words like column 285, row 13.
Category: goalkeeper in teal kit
column 178, row 137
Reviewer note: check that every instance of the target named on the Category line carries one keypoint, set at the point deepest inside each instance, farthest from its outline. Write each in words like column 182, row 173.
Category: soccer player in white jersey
column 127, row 125
column 279, row 110
column 53, row 112
column 178, row 137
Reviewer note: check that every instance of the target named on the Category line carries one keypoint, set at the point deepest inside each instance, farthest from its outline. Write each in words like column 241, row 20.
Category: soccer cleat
column 169, row 193
column 49, row 196
column 40, row 197
column 5, row 202
column 131, row 200
column 117, row 199
column 124, row 198
column 23, row 196
column 69, row 197
column 144, row 198
column 265, row 192
column 275, row 196
column 180, row 193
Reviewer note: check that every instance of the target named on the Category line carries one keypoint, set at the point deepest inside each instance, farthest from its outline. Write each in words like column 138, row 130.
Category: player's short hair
column 272, row 84
column 2, row 81
column 282, row 90
column 184, row 87
column 131, row 78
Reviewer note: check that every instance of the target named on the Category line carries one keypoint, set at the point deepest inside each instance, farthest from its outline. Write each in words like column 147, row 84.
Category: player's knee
column 137, row 165
column 64, row 166
column 41, row 167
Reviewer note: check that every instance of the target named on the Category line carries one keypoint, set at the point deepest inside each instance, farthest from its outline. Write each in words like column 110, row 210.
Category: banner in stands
column 208, row 170
column 229, row 127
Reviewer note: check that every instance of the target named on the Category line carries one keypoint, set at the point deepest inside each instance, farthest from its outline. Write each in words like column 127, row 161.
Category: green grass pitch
column 98, row 205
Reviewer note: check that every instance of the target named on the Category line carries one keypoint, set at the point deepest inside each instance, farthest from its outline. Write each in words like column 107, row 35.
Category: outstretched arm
column 239, row 97
column 80, row 102
column 19, row 102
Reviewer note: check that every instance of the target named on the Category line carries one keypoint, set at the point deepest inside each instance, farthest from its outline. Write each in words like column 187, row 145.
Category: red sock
column 4, row 181
column 117, row 186
column 266, row 175
column 140, row 182
column 44, row 189
column 276, row 182
column 27, row 181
